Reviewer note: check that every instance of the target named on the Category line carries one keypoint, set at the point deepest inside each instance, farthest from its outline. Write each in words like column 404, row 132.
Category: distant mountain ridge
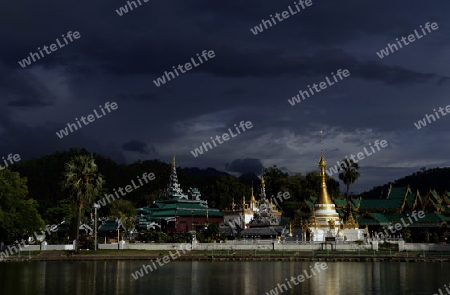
column 204, row 172
column 423, row 180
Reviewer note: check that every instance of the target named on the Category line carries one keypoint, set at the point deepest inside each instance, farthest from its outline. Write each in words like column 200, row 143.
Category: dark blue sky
column 250, row 78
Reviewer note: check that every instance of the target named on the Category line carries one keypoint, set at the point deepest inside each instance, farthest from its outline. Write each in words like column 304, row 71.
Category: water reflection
column 176, row 277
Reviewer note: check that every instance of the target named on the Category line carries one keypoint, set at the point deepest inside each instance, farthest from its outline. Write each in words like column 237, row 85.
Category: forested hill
column 424, row 180
column 45, row 175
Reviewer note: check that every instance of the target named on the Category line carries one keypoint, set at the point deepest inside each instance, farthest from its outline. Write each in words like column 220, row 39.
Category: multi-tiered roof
column 175, row 203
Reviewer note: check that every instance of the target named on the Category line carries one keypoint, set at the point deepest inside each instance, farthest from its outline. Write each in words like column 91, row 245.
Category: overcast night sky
column 251, row 77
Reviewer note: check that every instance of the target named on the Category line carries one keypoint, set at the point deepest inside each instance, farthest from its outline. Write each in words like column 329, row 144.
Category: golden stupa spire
column 324, row 198
column 252, row 197
column 173, row 161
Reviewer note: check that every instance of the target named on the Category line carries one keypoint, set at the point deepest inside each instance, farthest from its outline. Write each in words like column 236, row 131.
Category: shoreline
column 236, row 256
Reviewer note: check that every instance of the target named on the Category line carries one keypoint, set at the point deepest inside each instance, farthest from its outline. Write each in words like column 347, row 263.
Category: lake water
column 180, row 277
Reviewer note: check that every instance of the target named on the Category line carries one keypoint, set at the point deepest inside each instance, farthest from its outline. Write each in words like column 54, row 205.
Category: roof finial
column 173, row 161
column 321, row 135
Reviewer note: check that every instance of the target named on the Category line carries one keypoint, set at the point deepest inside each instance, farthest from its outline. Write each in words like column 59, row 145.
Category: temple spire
column 173, row 175
column 252, row 200
column 173, row 189
column 263, row 187
column 324, row 198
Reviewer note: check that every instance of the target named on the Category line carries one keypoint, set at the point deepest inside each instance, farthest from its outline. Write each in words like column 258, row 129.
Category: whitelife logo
column 301, row 278
column 346, row 163
column 10, row 158
column 446, row 288
column 166, row 259
column 53, row 47
column 296, row 99
column 187, row 67
column 124, row 9
column 225, row 137
column 146, row 177
column 90, row 118
column 285, row 14
column 398, row 226
column 279, row 197
column 423, row 123
column 411, row 38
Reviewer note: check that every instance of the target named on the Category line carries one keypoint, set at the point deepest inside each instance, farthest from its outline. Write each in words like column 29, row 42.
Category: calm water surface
column 176, row 277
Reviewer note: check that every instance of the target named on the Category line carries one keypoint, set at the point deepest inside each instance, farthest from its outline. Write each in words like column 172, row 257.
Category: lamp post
column 96, row 206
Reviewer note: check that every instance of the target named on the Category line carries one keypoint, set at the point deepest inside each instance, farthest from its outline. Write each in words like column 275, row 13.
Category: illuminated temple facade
column 255, row 218
column 176, row 211
column 321, row 217
column 324, row 220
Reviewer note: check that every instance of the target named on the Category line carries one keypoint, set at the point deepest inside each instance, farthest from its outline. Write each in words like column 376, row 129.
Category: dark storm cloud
column 141, row 56
column 136, row 146
column 250, row 78
column 22, row 89
column 138, row 97
column 245, row 166
column 36, row 141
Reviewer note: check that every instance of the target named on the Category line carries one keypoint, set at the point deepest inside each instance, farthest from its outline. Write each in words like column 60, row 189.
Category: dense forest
column 45, row 175
column 32, row 191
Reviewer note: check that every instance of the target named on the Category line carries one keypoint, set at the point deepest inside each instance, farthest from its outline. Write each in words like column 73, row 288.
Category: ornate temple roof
column 174, row 203
column 265, row 215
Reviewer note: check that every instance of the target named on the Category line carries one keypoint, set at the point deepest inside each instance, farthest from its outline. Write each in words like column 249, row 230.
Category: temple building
column 239, row 215
column 254, row 219
column 267, row 213
column 176, row 211
column 323, row 220
column 398, row 204
column 394, row 206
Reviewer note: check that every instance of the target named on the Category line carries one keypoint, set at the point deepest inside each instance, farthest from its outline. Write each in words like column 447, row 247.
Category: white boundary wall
column 261, row 245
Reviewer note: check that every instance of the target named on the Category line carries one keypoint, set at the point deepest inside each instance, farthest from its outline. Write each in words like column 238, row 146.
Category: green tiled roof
column 380, row 204
column 447, row 198
column 110, row 226
column 430, row 219
column 397, row 193
column 340, row 202
column 446, row 212
column 356, row 201
column 379, row 217
column 367, row 221
column 423, row 199
column 410, row 199
column 161, row 209
column 436, row 205
column 436, row 195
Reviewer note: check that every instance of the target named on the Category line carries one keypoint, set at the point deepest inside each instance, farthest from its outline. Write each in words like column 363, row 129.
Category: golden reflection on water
column 216, row 278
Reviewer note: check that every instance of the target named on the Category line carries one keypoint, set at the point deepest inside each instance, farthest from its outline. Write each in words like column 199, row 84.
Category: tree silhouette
column 84, row 183
column 349, row 173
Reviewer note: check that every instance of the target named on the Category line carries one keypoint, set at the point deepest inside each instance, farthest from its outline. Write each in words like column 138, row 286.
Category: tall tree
column 18, row 215
column 349, row 173
column 84, row 183
column 124, row 210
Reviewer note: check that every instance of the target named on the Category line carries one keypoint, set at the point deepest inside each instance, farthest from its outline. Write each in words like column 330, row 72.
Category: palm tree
column 349, row 173
column 84, row 183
